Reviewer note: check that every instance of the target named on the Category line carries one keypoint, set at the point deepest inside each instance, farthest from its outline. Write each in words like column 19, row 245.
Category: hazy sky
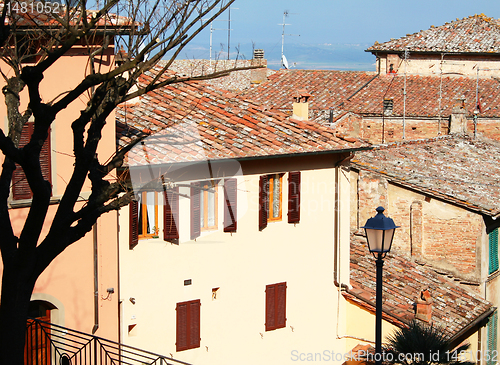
column 336, row 21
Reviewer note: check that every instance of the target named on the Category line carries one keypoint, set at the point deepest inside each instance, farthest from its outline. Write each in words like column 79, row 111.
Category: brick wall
column 442, row 234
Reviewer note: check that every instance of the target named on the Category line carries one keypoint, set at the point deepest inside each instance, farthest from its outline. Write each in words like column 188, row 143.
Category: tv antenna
column 284, row 61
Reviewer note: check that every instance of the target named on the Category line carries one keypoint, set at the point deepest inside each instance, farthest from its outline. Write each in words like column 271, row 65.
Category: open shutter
column 270, row 307
column 20, row 186
column 195, row 210
column 294, row 197
column 492, row 338
column 230, row 212
column 133, row 224
column 171, row 215
column 493, row 251
column 280, row 305
column 263, row 201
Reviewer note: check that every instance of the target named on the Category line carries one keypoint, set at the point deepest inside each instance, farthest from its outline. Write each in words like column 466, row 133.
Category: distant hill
column 302, row 56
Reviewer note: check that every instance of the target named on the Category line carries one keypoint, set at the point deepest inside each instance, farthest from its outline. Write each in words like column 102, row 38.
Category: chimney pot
column 424, row 306
column 301, row 105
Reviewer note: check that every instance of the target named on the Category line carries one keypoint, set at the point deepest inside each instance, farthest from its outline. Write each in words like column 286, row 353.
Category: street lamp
column 379, row 234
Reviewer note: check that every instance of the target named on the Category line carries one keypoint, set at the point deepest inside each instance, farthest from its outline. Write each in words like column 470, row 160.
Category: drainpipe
column 96, row 281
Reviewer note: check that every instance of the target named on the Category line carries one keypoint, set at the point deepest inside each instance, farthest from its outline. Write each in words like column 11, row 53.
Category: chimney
column 458, row 120
column 301, row 105
column 424, row 306
column 120, row 57
column 258, row 75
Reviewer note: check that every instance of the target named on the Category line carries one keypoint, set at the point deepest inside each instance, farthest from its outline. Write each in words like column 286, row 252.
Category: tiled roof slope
column 459, row 170
column 328, row 88
column 331, row 89
column 475, row 34
column 212, row 124
column 423, row 94
column 453, row 306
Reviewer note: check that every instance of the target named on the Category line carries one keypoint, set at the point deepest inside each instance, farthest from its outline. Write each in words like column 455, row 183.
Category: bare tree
column 33, row 37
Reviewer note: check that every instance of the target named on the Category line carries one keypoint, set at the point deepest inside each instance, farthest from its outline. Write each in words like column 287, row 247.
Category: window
column 493, row 251
column 208, row 205
column 147, row 214
column 188, row 325
column 20, row 186
column 275, row 306
column 269, row 199
column 492, row 339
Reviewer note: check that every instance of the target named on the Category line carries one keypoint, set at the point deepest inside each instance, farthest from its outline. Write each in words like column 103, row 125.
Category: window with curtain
column 274, row 213
column 208, row 205
column 148, row 214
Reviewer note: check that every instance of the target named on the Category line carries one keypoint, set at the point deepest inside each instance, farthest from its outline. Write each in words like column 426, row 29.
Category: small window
column 274, row 197
column 188, row 325
column 208, row 206
column 275, row 306
column 148, row 214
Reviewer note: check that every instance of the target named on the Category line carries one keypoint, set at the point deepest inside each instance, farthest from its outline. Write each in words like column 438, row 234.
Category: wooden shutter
column 275, row 306
column 195, row 210
column 171, row 215
column 263, row 201
column 230, row 200
column 294, row 197
column 270, row 307
column 493, row 251
column 492, row 338
column 188, row 325
column 133, row 224
column 20, row 186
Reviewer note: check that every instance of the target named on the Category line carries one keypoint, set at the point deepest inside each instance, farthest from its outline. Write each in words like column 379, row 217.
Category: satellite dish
column 284, row 62
column 141, row 48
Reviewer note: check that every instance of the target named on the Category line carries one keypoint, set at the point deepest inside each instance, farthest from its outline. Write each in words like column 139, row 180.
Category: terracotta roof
column 193, row 121
column 328, row 88
column 457, row 169
column 331, row 89
column 475, row 34
column 453, row 307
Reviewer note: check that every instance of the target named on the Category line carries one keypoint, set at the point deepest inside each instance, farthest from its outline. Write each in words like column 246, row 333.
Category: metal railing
column 47, row 343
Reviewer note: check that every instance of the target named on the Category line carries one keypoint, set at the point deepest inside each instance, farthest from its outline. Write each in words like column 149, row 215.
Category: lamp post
column 379, row 234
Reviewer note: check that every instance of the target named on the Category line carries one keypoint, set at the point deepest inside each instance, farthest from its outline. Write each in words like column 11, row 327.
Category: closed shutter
column 133, row 224
column 275, row 306
column 493, row 251
column 263, row 201
column 20, row 186
column 188, row 325
column 230, row 200
column 270, row 307
column 294, row 197
column 195, row 210
column 492, row 339
column 171, row 215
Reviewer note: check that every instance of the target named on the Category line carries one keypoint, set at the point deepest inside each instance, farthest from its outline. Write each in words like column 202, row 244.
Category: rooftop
column 194, row 121
column 461, row 170
column 453, row 307
column 475, row 34
column 361, row 93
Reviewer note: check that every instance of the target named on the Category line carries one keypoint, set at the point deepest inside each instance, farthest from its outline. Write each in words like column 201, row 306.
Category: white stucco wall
column 241, row 265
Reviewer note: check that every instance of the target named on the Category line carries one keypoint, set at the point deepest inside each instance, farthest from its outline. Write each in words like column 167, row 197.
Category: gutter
column 479, row 321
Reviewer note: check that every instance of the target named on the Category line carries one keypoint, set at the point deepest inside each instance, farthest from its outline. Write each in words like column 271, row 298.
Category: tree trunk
column 17, row 286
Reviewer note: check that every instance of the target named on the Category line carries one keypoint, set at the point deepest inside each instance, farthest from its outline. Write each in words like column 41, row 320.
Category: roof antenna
column 284, row 62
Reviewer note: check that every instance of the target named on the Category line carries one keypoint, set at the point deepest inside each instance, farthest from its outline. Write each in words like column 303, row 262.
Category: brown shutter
column 263, row 201
column 270, row 307
column 134, row 224
column 20, row 186
column 181, row 327
column 194, row 324
column 188, row 325
column 230, row 199
column 195, row 210
column 280, row 305
column 294, row 197
column 171, row 215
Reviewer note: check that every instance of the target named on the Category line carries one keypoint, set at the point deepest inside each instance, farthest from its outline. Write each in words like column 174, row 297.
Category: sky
column 328, row 33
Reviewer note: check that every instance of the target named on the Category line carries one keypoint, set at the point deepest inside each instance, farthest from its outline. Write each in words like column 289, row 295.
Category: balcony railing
column 47, row 343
